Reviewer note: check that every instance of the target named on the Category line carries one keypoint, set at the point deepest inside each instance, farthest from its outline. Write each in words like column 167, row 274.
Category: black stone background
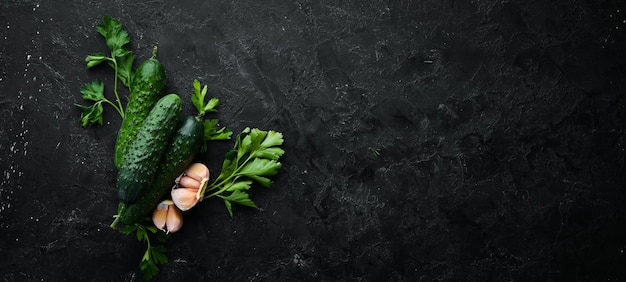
column 499, row 127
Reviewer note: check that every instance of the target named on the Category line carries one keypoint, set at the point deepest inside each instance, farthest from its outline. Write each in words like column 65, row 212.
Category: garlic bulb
column 190, row 186
column 167, row 217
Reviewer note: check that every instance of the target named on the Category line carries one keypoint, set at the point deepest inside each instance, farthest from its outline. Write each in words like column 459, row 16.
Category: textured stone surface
column 426, row 140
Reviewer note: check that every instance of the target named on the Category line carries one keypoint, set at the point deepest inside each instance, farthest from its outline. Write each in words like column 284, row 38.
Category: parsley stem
column 215, row 185
column 119, row 108
column 120, row 111
column 120, row 210
column 147, row 239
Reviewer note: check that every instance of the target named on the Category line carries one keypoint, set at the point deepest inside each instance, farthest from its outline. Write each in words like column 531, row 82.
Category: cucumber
column 141, row 160
column 147, row 87
column 182, row 149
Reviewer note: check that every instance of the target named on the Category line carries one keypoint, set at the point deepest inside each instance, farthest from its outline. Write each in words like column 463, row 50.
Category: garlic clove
column 188, row 182
column 167, row 217
column 184, row 198
column 174, row 219
column 198, row 171
column 159, row 216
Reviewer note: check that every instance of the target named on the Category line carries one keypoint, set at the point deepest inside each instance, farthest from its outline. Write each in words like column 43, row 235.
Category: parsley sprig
column 154, row 254
column 212, row 132
column 93, row 91
column 254, row 158
column 120, row 59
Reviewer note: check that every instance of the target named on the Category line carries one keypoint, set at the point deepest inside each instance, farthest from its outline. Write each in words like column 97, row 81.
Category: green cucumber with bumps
column 142, row 158
column 183, row 148
column 147, row 87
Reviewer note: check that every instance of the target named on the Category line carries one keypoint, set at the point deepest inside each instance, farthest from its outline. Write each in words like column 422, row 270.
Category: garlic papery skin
column 190, row 186
column 167, row 217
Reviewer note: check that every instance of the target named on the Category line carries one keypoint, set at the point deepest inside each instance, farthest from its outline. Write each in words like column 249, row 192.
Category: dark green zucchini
column 183, row 148
column 147, row 87
column 143, row 156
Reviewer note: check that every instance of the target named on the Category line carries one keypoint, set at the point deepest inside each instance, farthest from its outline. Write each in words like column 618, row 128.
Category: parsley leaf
column 91, row 115
column 237, row 197
column 125, row 68
column 96, row 59
column 198, row 97
column 93, row 91
column 210, row 106
column 253, row 158
column 111, row 29
column 239, row 186
column 260, row 167
column 272, row 139
column 212, row 133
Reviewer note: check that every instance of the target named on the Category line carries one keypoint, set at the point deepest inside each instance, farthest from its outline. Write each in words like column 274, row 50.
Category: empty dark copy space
column 447, row 140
